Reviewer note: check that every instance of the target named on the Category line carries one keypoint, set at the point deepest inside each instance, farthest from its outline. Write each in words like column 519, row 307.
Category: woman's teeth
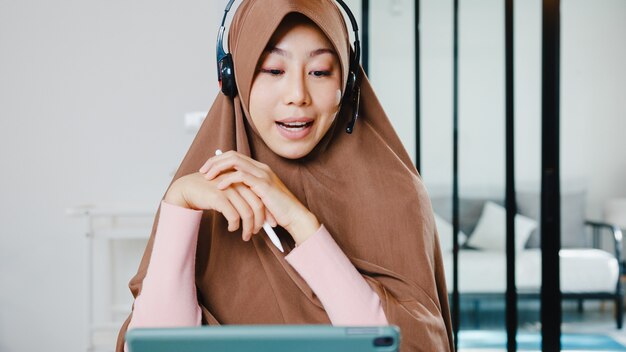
column 294, row 126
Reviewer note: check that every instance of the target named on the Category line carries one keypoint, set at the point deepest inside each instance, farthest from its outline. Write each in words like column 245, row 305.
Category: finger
column 211, row 160
column 256, row 184
column 233, row 161
column 245, row 212
column 224, row 206
column 207, row 164
column 269, row 218
column 257, row 206
column 256, row 163
column 204, row 167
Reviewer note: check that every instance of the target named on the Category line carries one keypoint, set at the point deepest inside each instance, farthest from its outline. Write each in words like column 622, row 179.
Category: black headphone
column 226, row 70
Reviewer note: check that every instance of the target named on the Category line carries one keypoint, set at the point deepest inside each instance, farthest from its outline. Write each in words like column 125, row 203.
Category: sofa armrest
column 615, row 231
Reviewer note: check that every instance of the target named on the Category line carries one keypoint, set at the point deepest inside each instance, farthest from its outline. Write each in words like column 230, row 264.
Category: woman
column 356, row 222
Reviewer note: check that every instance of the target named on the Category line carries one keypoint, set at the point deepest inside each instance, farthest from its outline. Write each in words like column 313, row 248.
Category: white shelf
column 102, row 226
column 112, row 325
column 121, row 308
column 111, row 210
column 126, row 234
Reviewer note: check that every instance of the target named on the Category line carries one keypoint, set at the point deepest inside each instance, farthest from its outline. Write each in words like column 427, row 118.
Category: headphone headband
column 220, row 36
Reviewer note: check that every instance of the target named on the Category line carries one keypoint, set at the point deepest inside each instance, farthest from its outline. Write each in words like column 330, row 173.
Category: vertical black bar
column 550, row 178
column 511, row 290
column 365, row 37
column 455, row 177
column 418, row 105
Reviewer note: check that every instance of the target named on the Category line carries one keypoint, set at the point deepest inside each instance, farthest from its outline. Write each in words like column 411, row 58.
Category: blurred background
column 99, row 101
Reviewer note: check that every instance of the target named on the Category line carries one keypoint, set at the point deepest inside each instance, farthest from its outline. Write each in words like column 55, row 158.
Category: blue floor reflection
column 484, row 339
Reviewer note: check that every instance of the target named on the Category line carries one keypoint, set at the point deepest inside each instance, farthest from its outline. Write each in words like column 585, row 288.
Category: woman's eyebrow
column 282, row 52
column 321, row 51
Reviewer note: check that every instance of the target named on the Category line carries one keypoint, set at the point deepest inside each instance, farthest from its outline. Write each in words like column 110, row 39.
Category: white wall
column 593, row 102
column 92, row 97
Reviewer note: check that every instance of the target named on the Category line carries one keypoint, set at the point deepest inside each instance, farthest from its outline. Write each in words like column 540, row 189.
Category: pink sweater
column 344, row 293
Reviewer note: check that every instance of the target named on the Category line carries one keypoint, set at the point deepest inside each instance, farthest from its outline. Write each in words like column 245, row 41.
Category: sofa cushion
column 445, row 231
column 470, row 209
column 490, row 233
column 582, row 271
column 572, row 217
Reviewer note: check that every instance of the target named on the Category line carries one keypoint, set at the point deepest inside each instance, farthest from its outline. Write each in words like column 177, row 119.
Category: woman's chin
column 292, row 150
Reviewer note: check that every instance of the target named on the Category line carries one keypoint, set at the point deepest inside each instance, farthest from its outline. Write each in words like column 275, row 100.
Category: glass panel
column 482, row 263
column 593, row 121
column 527, row 38
column 392, row 65
column 481, row 163
column 593, row 118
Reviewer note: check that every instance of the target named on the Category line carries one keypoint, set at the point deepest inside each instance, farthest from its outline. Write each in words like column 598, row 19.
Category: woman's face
column 296, row 90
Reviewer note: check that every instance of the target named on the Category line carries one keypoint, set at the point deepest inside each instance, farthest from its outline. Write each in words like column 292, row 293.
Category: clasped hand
column 245, row 190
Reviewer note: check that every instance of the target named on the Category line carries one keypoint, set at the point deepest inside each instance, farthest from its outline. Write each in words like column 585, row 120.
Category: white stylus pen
column 268, row 229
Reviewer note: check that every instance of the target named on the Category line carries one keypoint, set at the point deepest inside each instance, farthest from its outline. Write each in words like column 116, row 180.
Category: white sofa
column 582, row 271
column 586, row 272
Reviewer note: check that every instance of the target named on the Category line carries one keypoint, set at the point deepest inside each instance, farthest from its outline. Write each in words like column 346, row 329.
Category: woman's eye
column 272, row 72
column 276, row 72
column 321, row 73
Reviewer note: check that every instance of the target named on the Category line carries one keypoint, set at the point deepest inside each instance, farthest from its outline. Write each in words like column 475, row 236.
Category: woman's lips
column 297, row 130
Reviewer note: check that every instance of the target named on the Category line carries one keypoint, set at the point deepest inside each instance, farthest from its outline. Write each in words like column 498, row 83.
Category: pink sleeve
column 344, row 293
column 168, row 294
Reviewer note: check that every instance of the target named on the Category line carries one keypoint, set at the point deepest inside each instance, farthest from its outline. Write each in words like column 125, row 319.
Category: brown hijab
column 363, row 187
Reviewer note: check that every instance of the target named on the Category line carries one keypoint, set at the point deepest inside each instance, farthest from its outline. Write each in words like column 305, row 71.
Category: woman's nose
column 296, row 91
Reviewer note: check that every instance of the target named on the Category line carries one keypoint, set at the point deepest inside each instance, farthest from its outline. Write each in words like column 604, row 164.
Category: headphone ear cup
column 350, row 86
column 227, row 76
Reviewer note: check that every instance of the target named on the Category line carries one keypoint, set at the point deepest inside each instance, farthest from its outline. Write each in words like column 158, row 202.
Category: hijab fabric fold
column 363, row 187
